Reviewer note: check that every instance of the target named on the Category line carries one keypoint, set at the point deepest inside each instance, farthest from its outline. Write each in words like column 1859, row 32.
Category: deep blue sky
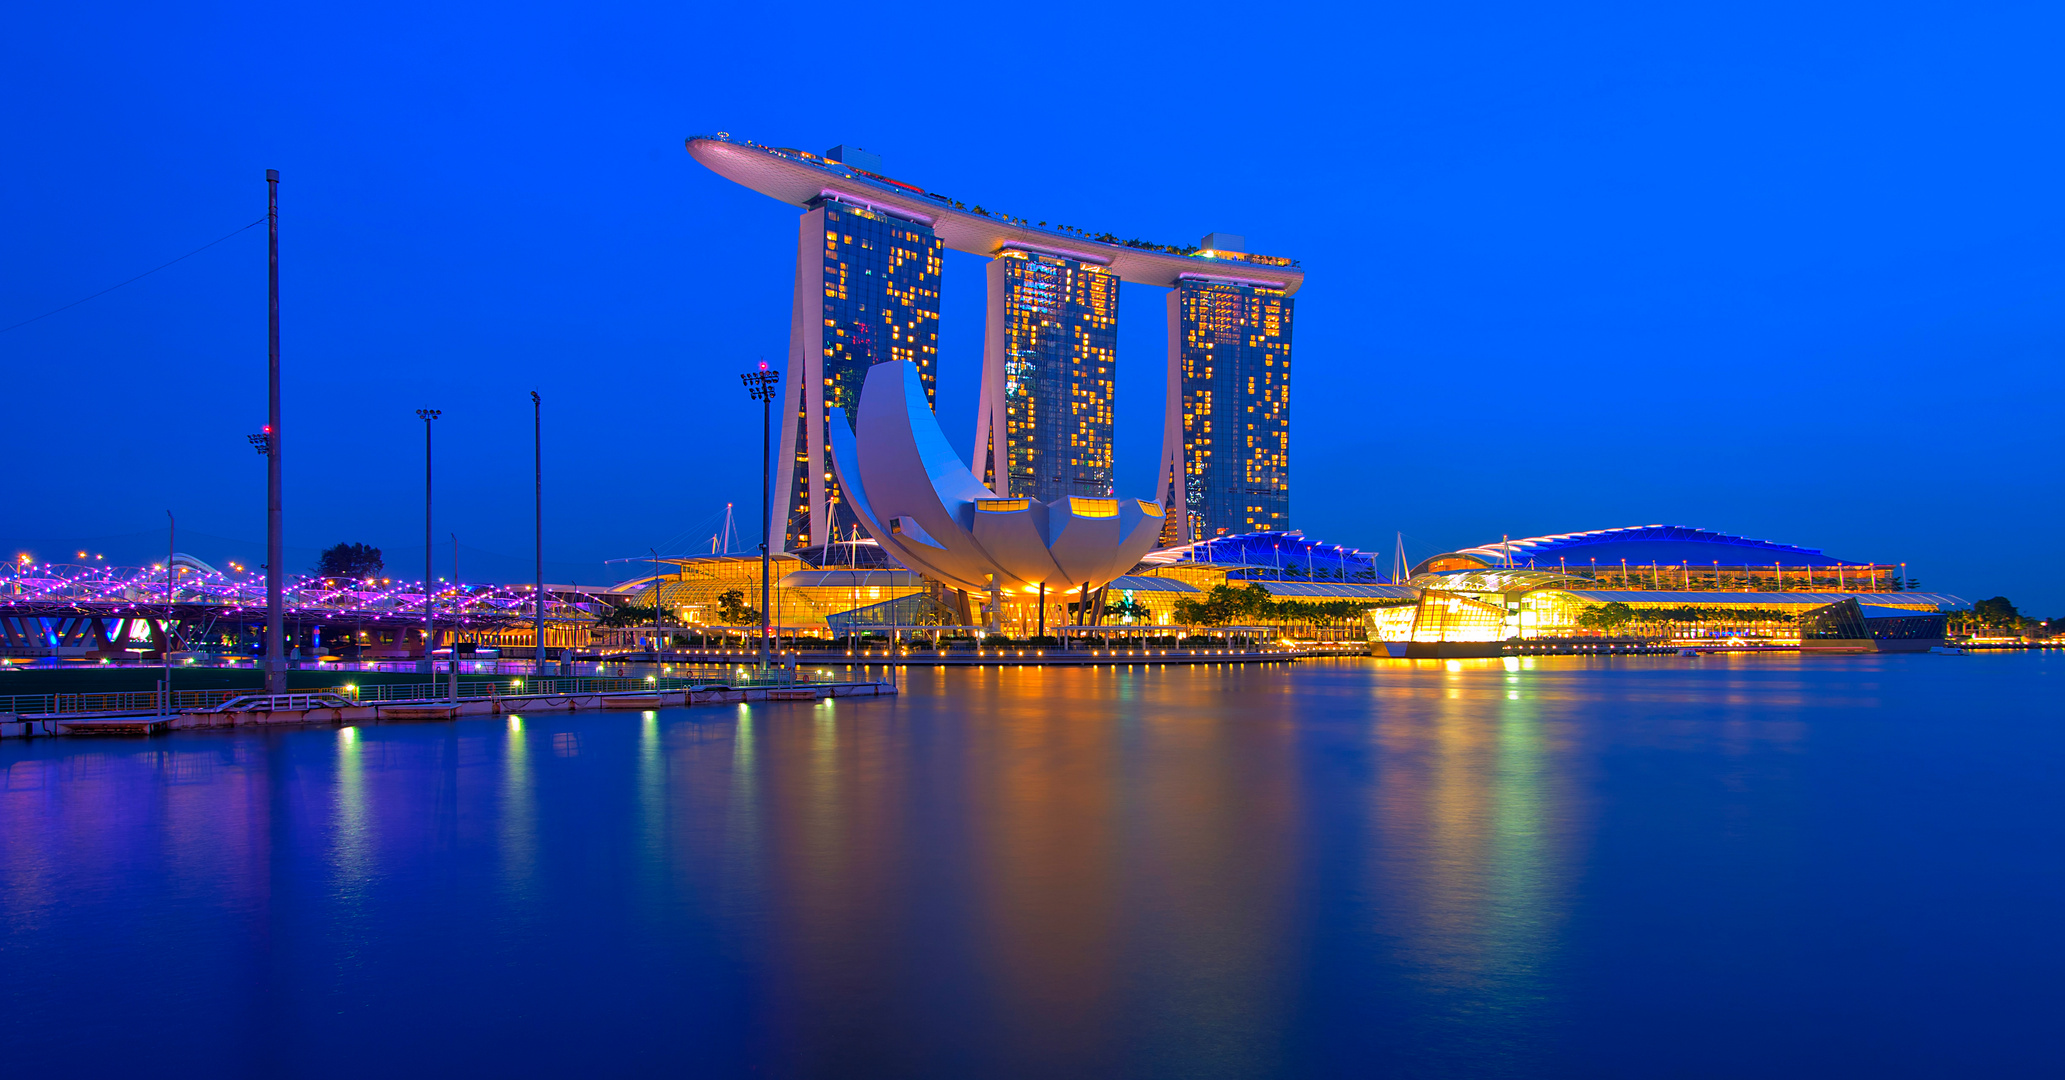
column 1786, row 273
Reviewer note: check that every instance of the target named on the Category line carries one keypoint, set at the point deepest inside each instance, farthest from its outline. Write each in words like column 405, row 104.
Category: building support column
column 1170, row 482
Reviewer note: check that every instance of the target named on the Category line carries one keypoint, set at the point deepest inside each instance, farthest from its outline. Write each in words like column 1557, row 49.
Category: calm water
column 1757, row 866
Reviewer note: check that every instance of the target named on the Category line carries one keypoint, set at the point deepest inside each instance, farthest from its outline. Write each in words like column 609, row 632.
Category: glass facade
column 1233, row 352
column 1060, row 342
column 880, row 303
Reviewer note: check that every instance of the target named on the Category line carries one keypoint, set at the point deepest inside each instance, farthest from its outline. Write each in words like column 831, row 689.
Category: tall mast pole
column 429, row 618
column 165, row 635
column 457, row 600
column 275, row 555
column 538, row 477
column 766, row 511
column 429, row 613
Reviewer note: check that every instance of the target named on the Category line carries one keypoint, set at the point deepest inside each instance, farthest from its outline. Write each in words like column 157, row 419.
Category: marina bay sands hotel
column 869, row 251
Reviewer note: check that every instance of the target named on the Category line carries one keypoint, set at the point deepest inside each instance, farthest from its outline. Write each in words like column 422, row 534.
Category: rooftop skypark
column 798, row 177
column 850, row 170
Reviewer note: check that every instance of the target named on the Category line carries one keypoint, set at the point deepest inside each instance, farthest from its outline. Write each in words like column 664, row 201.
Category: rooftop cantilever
column 797, row 177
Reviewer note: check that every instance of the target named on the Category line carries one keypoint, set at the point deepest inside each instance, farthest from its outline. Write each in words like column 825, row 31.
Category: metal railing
column 140, row 701
column 119, row 701
column 558, row 686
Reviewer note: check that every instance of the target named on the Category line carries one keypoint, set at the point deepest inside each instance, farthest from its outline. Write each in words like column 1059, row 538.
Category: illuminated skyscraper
column 1226, row 444
column 1050, row 359
column 867, row 292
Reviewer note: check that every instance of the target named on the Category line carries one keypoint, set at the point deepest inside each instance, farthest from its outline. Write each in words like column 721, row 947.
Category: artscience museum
column 925, row 508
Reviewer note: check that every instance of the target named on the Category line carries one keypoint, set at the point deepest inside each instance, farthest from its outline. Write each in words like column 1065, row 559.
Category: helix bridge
column 100, row 608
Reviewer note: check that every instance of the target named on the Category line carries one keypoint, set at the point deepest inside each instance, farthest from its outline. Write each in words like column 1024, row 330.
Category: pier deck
column 331, row 710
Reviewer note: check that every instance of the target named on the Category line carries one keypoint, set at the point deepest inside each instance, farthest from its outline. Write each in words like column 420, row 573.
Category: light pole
column 538, row 477
column 275, row 553
column 655, row 610
column 429, row 620
column 165, row 635
column 453, row 665
column 761, row 384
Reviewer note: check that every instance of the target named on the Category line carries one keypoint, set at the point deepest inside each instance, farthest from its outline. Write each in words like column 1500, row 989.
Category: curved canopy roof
column 1143, row 583
column 850, row 579
column 1909, row 600
column 1272, row 556
column 1639, row 545
column 798, row 177
column 1330, row 590
column 1498, row 581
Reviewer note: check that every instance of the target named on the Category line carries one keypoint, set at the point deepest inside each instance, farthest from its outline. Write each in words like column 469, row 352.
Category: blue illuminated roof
column 1274, row 556
column 1642, row 545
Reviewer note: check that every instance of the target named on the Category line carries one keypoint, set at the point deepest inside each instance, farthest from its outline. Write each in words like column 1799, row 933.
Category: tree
column 1127, row 608
column 1997, row 613
column 628, row 615
column 1605, row 616
column 732, row 609
column 355, row 561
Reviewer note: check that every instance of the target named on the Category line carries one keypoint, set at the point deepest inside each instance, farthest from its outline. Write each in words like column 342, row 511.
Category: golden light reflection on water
column 1047, row 843
column 352, row 845
column 1474, row 851
column 1013, row 829
column 517, row 814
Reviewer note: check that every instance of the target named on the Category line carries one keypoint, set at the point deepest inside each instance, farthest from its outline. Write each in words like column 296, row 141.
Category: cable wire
column 138, row 277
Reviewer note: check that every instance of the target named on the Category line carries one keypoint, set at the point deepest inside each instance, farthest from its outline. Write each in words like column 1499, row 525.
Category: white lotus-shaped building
column 925, row 507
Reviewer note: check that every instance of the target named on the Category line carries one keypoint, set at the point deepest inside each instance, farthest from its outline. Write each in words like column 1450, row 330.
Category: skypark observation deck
column 799, row 178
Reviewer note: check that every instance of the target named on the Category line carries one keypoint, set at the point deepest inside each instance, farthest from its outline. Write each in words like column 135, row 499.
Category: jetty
column 148, row 713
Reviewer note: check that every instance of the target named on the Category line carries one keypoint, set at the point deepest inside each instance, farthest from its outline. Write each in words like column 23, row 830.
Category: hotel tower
column 868, row 255
column 1050, row 358
column 1226, row 436
column 867, row 293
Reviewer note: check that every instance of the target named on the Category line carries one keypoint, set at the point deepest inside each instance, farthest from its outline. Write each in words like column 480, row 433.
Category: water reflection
column 1238, row 871
column 1474, row 849
column 351, row 839
column 516, row 813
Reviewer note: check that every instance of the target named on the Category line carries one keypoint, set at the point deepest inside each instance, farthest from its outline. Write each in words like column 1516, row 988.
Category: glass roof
column 1934, row 601
column 1143, row 583
column 1275, row 556
column 1496, row 581
column 1642, row 545
column 1339, row 590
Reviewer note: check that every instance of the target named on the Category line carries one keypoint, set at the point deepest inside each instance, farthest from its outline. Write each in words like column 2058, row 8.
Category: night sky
column 1790, row 274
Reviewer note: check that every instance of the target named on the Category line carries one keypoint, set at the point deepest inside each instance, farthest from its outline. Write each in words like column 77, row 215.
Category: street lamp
column 458, row 603
column 761, row 385
column 429, row 619
column 165, row 635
